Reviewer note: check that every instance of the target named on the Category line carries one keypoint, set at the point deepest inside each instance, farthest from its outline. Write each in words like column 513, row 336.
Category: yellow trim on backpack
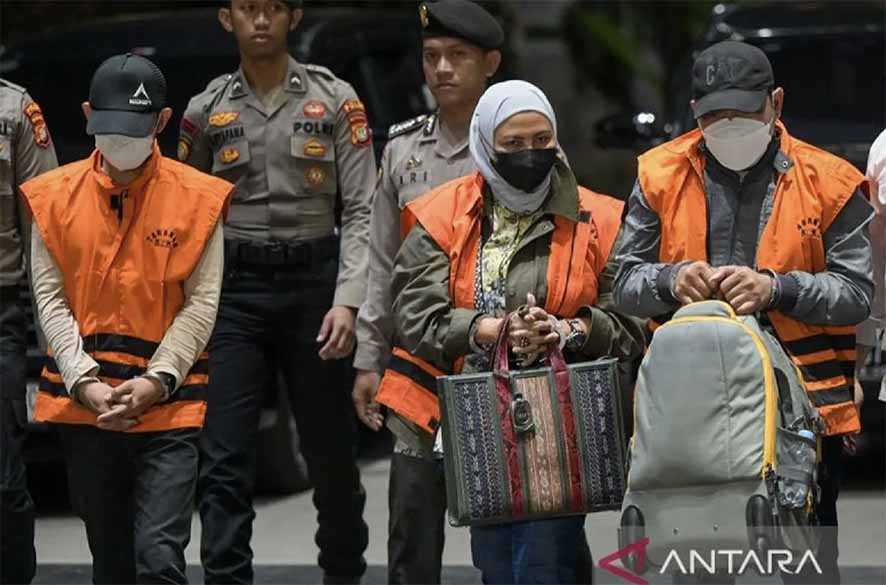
column 768, row 384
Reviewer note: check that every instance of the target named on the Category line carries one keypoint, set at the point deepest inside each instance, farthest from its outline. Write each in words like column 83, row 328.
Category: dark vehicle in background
column 379, row 53
column 829, row 58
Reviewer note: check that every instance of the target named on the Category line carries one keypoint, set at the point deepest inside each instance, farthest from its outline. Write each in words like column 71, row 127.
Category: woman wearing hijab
column 519, row 230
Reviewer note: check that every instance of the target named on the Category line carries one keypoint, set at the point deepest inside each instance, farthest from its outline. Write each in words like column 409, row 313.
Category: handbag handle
column 501, row 367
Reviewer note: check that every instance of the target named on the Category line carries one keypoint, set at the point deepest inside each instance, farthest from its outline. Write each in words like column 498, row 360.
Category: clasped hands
column 531, row 331
column 745, row 289
column 118, row 408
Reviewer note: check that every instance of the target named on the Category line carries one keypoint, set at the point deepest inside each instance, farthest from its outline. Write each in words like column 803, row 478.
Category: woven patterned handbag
column 532, row 444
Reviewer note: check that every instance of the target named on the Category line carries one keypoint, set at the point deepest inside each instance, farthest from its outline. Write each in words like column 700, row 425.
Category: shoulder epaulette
column 8, row 84
column 407, row 126
column 218, row 83
column 321, row 70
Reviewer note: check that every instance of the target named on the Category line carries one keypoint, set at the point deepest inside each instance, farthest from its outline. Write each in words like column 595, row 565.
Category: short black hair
column 293, row 4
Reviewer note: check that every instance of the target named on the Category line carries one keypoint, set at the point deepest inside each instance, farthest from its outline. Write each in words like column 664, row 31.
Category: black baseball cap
column 461, row 19
column 126, row 93
column 731, row 75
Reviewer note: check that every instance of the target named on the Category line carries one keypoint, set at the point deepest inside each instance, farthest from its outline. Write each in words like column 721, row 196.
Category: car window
column 839, row 77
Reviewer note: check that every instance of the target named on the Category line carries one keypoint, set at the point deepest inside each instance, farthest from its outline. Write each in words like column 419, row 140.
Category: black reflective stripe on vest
column 414, row 373
column 119, row 371
column 848, row 367
column 817, row 343
column 821, row 371
column 120, row 344
column 189, row 392
column 830, row 396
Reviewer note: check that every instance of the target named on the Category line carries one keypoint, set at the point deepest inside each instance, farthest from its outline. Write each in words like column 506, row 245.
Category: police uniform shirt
column 417, row 159
column 25, row 151
column 289, row 161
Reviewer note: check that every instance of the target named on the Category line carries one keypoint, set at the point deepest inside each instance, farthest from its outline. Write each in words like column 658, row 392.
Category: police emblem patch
column 361, row 135
column 314, row 148
column 220, row 119
column 38, row 124
column 315, row 109
column 315, row 176
column 184, row 149
column 229, row 155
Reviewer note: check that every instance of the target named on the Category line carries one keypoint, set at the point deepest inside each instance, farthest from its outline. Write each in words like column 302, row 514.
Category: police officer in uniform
column 292, row 137
column 25, row 151
column 461, row 51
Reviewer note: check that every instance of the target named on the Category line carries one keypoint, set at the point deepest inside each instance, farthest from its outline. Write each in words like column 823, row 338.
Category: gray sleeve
column 31, row 158
column 841, row 295
column 642, row 284
column 426, row 323
column 355, row 161
column 193, row 142
column 375, row 326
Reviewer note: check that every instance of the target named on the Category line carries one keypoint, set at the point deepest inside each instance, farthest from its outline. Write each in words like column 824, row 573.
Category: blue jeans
column 544, row 551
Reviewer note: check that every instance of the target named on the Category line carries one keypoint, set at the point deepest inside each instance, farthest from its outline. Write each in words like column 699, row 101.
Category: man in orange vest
column 127, row 256
column 740, row 210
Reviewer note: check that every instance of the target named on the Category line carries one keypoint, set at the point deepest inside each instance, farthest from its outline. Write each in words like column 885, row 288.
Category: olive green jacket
column 429, row 327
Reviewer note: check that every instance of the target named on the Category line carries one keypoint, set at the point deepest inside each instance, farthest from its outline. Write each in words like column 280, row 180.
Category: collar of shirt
column 295, row 82
column 432, row 133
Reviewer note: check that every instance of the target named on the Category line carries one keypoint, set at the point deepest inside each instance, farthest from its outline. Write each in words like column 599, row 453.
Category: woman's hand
column 532, row 331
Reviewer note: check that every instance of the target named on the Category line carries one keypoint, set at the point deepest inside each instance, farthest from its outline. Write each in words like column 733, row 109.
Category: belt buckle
column 276, row 253
column 301, row 255
column 249, row 253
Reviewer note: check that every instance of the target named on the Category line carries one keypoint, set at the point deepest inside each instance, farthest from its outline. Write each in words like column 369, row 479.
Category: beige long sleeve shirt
column 183, row 342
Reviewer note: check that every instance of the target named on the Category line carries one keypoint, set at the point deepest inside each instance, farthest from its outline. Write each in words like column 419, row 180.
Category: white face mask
column 738, row 143
column 125, row 153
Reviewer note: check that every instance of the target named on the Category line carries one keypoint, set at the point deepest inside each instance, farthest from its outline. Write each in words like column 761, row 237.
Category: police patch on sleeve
column 38, row 124
column 361, row 135
column 184, row 148
column 187, row 133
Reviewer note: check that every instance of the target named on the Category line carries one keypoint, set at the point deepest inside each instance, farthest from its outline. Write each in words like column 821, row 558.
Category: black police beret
column 463, row 19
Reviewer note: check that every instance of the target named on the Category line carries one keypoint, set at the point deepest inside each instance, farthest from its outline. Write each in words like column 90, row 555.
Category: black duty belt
column 274, row 254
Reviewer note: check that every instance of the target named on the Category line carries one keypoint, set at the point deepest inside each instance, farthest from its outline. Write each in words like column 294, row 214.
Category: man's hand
column 692, row 283
column 747, row 290
column 365, row 388
column 130, row 400
column 96, row 396
column 337, row 332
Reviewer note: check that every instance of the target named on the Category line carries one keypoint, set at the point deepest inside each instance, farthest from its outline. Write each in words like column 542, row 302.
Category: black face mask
column 525, row 169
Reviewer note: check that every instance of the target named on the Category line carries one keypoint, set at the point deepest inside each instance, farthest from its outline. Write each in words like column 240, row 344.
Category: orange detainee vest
column 453, row 216
column 124, row 280
column 807, row 200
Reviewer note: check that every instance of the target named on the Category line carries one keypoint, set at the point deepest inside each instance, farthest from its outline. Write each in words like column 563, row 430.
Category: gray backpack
column 724, row 451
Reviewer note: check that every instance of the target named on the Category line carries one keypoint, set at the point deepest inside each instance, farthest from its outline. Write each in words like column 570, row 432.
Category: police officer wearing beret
column 293, row 138
column 26, row 151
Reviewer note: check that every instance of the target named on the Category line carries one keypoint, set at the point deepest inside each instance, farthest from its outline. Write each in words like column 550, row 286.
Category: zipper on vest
column 117, row 204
